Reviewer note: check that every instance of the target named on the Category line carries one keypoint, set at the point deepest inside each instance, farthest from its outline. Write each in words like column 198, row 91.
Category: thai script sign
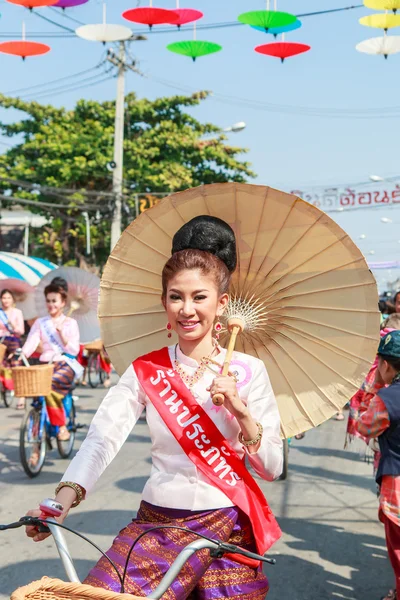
column 364, row 196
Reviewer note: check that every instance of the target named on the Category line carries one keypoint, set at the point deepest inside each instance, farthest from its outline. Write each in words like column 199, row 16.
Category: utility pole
column 118, row 162
column 118, row 147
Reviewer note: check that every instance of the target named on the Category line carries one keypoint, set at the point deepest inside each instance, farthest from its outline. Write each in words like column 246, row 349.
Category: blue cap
column 390, row 345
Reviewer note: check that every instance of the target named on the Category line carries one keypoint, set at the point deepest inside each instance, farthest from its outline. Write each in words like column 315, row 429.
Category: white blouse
column 175, row 482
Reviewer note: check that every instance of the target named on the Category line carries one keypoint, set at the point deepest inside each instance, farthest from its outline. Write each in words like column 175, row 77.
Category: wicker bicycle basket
column 55, row 589
column 3, row 350
column 32, row 381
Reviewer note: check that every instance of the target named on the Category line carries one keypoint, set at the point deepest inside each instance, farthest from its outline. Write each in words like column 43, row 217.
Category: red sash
column 204, row 444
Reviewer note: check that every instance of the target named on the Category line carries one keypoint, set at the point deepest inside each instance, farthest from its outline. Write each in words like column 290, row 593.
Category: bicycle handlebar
column 217, row 550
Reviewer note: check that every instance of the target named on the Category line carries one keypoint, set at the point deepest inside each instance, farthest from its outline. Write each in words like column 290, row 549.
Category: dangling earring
column 169, row 328
column 217, row 329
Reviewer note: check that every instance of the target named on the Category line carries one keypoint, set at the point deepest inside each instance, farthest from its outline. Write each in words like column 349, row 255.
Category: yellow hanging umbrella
column 393, row 5
column 308, row 300
column 381, row 21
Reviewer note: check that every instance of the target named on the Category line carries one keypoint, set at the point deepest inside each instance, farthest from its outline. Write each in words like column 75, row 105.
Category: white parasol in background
column 83, row 297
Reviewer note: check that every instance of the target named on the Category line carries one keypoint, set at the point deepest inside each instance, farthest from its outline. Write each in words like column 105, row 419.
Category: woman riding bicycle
column 11, row 329
column 59, row 339
column 199, row 480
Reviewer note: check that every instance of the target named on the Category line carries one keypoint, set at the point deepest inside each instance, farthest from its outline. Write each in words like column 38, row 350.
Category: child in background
column 382, row 420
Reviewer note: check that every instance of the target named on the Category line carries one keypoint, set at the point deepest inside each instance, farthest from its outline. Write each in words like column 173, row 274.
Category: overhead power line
column 46, row 83
column 51, row 205
column 65, row 15
column 59, row 190
column 73, row 87
column 311, row 111
column 41, row 16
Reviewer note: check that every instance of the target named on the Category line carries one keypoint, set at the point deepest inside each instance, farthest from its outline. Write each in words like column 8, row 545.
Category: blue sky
column 287, row 150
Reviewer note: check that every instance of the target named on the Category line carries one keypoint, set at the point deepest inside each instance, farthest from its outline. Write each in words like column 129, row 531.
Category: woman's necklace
column 191, row 380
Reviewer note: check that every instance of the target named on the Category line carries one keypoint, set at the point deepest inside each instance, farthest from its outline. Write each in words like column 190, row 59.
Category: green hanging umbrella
column 267, row 19
column 194, row 48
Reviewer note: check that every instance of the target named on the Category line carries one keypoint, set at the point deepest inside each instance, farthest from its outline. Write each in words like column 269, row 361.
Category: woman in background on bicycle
column 198, row 480
column 11, row 329
column 59, row 339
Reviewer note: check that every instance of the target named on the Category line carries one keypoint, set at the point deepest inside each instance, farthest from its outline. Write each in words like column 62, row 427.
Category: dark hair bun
column 60, row 282
column 209, row 234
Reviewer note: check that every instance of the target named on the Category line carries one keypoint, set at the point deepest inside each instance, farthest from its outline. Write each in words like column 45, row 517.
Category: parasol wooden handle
column 74, row 306
column 235, row 328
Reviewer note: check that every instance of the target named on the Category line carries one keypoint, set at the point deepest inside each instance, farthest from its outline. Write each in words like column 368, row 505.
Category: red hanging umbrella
column 151, row 16
column 282, row 50
column 23, row 49
column 187, row 15
column 33, row 3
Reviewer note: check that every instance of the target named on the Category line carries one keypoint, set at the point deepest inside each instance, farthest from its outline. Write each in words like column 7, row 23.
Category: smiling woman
column 198, row 478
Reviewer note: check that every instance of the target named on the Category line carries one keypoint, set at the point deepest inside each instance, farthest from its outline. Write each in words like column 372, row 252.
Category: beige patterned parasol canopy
column 298, row 271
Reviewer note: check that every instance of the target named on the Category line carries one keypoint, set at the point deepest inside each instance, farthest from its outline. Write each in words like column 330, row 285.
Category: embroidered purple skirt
column 202, row 577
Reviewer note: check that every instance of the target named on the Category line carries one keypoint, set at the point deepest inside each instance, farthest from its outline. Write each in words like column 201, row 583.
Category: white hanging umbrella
column 385, row 45
column 104, row 32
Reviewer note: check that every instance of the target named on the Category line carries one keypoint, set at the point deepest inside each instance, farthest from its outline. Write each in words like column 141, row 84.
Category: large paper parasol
column 83, row 297
column 299, row 273
column 24, row 295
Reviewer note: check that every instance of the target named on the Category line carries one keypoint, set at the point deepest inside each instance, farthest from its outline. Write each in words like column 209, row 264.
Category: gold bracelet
column 255, row 440
column 77, row 489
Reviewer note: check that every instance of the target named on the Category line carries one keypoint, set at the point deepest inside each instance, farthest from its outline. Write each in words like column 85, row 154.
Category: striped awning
column 25, row 268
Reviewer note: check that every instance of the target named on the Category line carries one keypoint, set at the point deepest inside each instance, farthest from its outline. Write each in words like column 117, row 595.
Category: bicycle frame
column 166, row 581
column 45, row 425
column 40, row 403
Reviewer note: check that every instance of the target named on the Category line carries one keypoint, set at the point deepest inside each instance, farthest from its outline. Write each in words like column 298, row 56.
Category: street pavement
column 332, row 545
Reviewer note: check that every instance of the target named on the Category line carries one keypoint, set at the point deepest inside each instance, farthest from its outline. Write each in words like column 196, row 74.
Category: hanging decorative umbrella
column 282, row 50
column 69, row 3
column 317, row 327
column 104, row 32
column 194, row 48
column 151, row 15
column 23, row 48
column 33, row 3
column 381, row 21
column 83, row 297
column 393, row 5
column 24, row 295
column 267, row 19
column 187, row 15
column 284, row 29
column 383, row 46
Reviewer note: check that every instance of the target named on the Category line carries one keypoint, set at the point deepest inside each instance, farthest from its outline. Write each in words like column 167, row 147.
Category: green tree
column 60, row 159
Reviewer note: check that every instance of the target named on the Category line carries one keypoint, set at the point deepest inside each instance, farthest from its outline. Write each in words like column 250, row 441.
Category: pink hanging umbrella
column 187, row 15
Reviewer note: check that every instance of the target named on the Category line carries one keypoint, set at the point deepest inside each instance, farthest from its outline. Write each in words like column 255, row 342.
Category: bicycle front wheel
column 94, row 370
column 7, row 397
column 65, row 448
column 32, row 443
